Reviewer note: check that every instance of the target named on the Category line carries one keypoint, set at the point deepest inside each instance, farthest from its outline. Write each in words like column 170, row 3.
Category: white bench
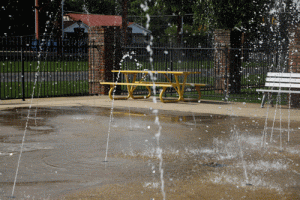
column 280, row 83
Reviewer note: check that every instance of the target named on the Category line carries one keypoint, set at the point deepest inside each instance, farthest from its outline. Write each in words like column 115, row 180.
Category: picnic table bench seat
column 164, row 85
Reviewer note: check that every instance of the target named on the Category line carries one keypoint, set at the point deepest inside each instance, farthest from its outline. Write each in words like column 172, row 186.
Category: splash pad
column 206, row 155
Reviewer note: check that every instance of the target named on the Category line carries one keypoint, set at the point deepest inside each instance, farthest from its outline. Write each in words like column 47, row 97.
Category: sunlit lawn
column 43, row 66
column 12, row 90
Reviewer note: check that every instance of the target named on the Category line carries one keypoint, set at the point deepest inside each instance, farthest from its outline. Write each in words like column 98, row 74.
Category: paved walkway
column 205, row 106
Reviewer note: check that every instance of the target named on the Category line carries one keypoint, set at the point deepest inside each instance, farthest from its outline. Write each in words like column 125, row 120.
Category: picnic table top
column 155, row 72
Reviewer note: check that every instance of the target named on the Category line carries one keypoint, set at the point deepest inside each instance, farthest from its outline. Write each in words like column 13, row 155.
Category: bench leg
column 110, row 94
column 141, row 97
column 199, row 92
column 166, row 101
column 271, row 101
column 263, row 100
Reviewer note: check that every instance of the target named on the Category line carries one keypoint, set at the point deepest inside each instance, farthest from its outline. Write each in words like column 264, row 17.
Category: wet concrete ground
column 205, row 156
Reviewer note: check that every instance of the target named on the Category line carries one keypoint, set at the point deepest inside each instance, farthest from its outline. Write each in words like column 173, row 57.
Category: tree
column 244, row 15
column 179, row 8
column 238, row 16
column 192, row 35
column 12, row 18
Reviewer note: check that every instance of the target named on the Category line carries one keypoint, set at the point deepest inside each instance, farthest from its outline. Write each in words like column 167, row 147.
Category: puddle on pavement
column 204, row 156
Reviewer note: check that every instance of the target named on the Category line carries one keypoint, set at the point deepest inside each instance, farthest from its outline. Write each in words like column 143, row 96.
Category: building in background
column 137, row 33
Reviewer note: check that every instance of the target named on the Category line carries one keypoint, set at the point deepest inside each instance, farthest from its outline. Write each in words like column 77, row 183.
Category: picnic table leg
column 198, row 89
column 199, row 92
column 166, row 101
column 129, row 88
column 141, row 97
column 132, row 88
column 180, row 90
column 110, row 94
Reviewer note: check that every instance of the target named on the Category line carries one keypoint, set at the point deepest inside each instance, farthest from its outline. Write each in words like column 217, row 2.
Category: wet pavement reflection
column 204, row 156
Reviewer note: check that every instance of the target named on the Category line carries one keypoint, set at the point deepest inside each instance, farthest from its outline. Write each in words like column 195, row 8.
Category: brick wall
column 221, row 59
column 294, row 58
column 294, row 49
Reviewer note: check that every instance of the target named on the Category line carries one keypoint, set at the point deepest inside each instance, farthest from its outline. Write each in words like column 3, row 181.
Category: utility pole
column 59, row 26
column 62, row 20
column 37, row 27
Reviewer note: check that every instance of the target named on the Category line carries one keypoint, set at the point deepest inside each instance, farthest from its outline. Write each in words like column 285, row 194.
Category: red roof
column 97, row 20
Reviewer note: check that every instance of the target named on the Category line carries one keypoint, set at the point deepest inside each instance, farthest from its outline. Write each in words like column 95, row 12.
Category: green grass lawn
column 43, row 66
column 68, row 66
column 13, row 90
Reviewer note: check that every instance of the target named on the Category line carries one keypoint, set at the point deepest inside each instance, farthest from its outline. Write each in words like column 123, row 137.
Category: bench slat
column 283, row 80
column 276, row 74
column 277, row 91
column 283, row 85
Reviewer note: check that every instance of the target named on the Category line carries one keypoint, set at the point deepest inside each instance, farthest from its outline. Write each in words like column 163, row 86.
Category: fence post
column 22, row 66
column 226, row 52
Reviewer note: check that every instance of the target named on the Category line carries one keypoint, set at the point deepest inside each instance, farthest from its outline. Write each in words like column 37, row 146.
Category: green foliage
column 177, row 7
column 242, row 14
column 192, row 34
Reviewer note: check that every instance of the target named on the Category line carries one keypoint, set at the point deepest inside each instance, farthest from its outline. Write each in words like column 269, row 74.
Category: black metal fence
column 44, row 68
column 174, row 58
column 51, row 67
column 254, row 65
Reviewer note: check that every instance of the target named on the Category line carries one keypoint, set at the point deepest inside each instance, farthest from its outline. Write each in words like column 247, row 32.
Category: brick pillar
column 294, row 59
column 103, row 57
column 221, row 59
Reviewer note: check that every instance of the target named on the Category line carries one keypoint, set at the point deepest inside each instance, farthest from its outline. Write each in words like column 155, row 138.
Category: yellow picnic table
column 131, row 86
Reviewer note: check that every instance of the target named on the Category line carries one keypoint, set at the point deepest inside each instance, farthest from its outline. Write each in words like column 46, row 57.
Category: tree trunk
column 235, row 62
column 124, row 21
column 179, row 27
